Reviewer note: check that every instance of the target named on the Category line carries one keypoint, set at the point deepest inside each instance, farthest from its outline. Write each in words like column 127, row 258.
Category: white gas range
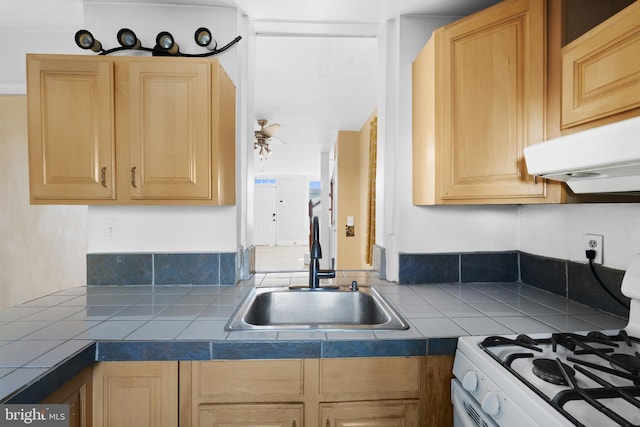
column 562, row 379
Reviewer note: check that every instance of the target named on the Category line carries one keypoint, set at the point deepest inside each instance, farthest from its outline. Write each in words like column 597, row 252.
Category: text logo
column 34, row 415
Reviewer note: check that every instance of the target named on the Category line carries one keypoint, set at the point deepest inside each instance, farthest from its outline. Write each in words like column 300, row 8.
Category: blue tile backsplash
column 566, row 278
column 211, row 268
column 119, row 269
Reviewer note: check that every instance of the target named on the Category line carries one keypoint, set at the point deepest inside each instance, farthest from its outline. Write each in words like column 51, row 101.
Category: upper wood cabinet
column 478, row 100
column 601, row 72
column 71, row 129
column 130, row 130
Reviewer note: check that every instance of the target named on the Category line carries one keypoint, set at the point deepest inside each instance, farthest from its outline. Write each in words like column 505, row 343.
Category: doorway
column 281, row 220
column 266, row 214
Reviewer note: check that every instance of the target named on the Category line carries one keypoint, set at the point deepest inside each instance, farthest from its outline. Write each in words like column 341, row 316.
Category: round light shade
column 85, row 40
column 165, row 40
column 203, row 36
column 128, row 38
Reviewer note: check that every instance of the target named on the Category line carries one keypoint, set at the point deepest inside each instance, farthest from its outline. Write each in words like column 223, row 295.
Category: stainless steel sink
column 281, row 308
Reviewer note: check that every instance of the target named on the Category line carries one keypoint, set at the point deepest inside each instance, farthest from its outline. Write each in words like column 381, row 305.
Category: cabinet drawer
column 248, row 415
column 372, row 414
column 370, row 375
column 244, row 378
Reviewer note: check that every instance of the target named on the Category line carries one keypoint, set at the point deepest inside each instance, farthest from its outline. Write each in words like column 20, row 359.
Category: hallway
column 281, row 258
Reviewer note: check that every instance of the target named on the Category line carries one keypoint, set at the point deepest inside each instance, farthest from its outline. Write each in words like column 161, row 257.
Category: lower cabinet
column 77, row 393
column 377, row 391
column 333, row 392
column 252, row 414
column 381, row 413
column 135, row 394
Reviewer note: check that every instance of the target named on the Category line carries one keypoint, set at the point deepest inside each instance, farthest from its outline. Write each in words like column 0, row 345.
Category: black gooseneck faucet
column 315, row 274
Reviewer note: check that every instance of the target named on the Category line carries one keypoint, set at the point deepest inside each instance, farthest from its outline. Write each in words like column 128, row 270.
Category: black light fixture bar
column 165, row 43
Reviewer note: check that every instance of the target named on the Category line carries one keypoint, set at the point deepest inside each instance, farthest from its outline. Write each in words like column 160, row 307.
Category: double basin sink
column 282, row 308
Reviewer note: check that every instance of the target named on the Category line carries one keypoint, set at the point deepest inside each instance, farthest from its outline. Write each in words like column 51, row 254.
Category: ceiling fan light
column 85, row 40
column 128, row 39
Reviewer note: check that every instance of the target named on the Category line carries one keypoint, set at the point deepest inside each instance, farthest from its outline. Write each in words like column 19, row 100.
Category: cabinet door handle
column 293, row 423
column 328, row 424
column 103, row 177
column 133, row 177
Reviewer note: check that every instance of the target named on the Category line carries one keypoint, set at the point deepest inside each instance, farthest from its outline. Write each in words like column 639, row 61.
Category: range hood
column 605, row 159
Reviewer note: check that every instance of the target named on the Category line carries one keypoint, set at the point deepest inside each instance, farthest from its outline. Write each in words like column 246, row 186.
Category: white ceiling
column 316, row 64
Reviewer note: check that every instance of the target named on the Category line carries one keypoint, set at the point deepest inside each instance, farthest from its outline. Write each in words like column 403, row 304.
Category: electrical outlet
column 111, row 229
column 594, row 242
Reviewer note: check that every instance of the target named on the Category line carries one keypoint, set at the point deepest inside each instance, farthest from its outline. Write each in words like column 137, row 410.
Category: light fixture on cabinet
column 165, row 43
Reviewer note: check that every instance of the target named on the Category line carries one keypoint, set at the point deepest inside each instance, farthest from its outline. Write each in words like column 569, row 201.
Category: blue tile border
column 575, row 281
column 441, row 346
column 459, row 267
column 583, row 287
column 489, row 267
column 119, row 269
column 207, row 268
column 266, row 350
column 153, row 350
column 192, row 269
column 55, row 378
column 544, row 273
column 374, row 348
column 259, row 349
column 429, row 268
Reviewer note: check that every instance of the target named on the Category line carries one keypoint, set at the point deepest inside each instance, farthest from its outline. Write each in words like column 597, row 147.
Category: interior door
column 265, row 215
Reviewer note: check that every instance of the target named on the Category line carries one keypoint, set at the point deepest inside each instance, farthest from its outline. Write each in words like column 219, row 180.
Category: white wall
column 558, row 231
column 42, row 248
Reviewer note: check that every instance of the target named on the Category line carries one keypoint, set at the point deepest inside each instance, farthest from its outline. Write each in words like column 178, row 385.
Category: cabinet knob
column 133, row 177
column 103, row 177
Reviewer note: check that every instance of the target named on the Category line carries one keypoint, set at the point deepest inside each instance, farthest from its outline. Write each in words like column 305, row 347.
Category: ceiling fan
column 264, row 136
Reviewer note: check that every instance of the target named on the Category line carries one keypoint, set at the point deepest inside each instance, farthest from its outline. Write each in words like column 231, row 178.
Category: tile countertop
column 46, row 341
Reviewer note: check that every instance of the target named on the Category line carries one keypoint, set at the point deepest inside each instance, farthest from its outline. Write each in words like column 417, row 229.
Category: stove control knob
column 470, row 381
column 491, row 404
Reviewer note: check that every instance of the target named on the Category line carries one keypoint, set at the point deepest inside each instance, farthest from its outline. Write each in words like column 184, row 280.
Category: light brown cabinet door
column 601, row 71
column 77, row 393
column 491, row 97
column 389, row 413
column 71, row 129
column 135, row 394
column 252, row 414
column 164, row 126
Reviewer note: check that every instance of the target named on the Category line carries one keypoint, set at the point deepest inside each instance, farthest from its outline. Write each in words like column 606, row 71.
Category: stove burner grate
column 627, row 362
column 549, row 370
column 594, row 343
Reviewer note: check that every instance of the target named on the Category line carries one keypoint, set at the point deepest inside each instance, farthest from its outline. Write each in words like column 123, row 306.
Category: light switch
column 350, row 222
